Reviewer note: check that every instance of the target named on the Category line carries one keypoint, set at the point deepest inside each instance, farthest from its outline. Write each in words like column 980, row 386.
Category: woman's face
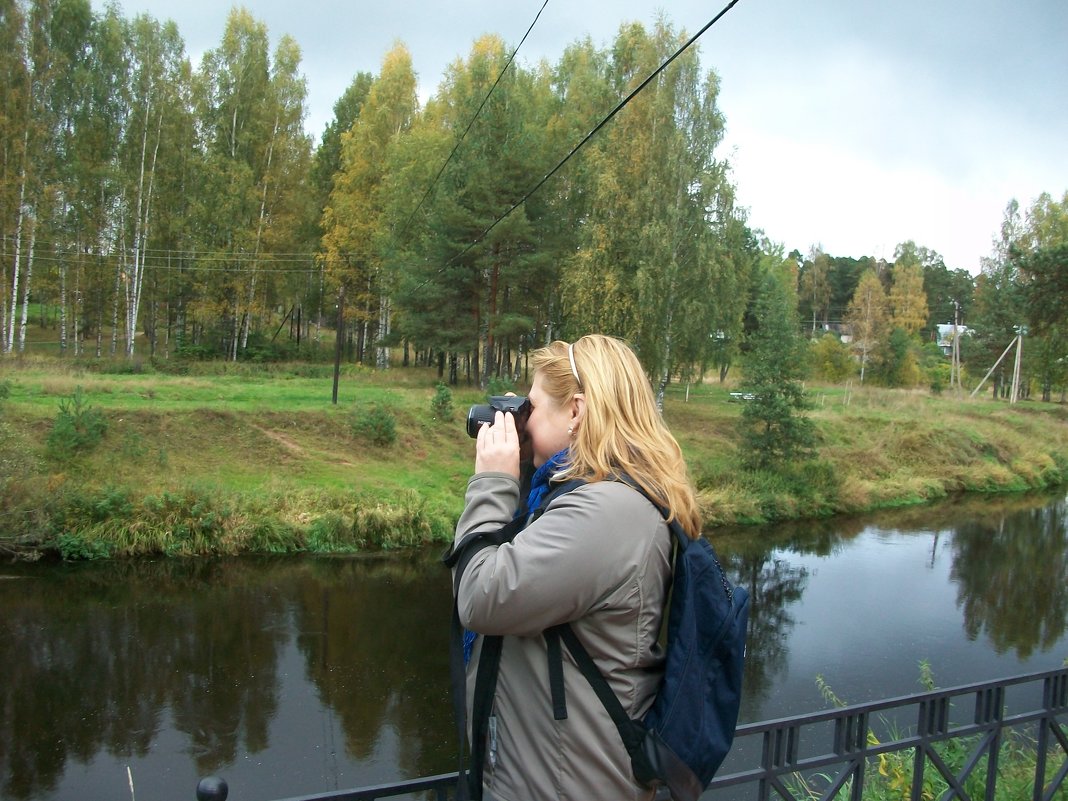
column 548, row 423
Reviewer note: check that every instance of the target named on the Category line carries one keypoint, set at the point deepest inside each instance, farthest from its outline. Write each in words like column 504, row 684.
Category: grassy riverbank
column 229, row 458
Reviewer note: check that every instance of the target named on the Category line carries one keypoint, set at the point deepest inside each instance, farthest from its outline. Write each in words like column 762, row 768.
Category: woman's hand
column 497, row 446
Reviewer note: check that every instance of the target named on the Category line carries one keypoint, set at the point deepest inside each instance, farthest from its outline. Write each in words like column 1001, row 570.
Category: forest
column 153, row 209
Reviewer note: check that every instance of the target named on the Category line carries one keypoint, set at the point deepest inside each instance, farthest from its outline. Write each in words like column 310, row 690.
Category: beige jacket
column 600, row 558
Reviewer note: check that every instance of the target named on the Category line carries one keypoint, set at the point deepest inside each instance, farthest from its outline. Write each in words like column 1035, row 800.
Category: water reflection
column 1012, row 575
column 292, row 676
column 99, row 659
column 1009, row 562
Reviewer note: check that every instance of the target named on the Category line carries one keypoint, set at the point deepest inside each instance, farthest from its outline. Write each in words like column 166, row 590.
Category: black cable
column 456, row 147
column 590, row 135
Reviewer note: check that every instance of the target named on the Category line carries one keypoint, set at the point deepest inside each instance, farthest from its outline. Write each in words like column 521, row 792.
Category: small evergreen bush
column 78, row 427
column 376, row 424
column 441, row 403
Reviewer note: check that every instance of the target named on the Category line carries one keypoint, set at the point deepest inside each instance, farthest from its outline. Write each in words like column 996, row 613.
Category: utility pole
column 1004, row 353
column 1021, row 331
column 954, row 369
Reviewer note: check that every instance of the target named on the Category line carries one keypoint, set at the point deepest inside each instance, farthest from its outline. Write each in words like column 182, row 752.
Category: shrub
column 831, row 359
column 78, row 427
column 441, row 403
column 376, row 424
column 74, row 547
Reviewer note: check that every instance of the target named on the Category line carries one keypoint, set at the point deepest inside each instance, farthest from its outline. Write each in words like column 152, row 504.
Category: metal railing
column 828, row 755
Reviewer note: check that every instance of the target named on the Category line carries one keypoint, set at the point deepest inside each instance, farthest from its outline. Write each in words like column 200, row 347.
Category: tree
column 815, row 289
column 256, row 160
column 652, row 265
column 328, row 155
column 485, row 268
column 1000, row 307
column 866, row 317
column 776, row 430
column 895, row 362
column 356, row 230
column 1044, row 273
column 907, row 300
column 831, row 358
column 16, row 127
column 1041, row 259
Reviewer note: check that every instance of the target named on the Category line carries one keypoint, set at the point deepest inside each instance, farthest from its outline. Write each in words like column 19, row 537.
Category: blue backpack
column 686, row 734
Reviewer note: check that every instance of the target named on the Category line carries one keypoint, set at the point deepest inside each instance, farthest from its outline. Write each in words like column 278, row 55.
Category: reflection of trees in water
column 1011, row 574
column 92, row 661
column 375, row 640
column 773, row 584
column 1020, row 606
column 95, row 657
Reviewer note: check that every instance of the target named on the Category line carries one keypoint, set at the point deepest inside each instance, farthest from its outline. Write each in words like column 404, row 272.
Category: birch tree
column 866, row 318
column 15, row 78
column 661, row 208
column 815, row 287
column 157, row 69
column 356, row 232
column 232, row 85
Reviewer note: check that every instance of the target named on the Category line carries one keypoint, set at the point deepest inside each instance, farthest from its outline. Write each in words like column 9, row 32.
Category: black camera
column 482, row 414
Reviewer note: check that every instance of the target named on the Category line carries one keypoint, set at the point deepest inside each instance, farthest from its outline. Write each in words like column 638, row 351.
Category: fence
column 829, row 755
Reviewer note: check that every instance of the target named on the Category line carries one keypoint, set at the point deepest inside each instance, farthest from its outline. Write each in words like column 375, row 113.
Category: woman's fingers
column 497, row 446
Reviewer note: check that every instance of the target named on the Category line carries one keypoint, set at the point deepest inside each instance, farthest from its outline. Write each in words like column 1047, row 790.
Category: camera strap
column 457, row 557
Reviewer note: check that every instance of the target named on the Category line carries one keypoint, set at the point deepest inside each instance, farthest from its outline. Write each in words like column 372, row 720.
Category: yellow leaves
column 908, row 302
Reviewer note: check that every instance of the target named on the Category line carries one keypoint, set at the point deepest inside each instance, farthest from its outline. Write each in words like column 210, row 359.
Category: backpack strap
column 651, row 761
column 556, row 673
column 631, row 732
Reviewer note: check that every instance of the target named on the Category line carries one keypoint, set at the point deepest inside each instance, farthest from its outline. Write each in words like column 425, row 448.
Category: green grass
column 240, row 435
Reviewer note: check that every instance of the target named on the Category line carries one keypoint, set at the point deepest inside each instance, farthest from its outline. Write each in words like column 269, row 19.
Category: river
column 300, row 675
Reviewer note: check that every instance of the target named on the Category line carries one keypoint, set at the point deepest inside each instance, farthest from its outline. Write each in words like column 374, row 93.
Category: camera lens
column 476, row 416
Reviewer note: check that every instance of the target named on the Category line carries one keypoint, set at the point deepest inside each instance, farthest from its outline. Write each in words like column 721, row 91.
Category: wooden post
column 1015, row 395
column 340, row 338
column 992, row 369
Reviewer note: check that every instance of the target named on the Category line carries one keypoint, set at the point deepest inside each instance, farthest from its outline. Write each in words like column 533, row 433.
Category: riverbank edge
column 263, row 471
column 80, row 522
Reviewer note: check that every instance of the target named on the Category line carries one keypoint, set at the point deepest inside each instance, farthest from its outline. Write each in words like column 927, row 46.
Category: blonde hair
column 622, row 431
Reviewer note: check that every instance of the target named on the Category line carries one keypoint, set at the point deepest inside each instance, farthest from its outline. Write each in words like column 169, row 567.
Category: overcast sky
column 850, row 125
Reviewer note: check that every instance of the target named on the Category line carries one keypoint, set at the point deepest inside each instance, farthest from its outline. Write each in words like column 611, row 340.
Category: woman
column 599, row 557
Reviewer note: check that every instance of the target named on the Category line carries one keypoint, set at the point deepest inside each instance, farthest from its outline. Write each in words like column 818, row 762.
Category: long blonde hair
column 621, row 430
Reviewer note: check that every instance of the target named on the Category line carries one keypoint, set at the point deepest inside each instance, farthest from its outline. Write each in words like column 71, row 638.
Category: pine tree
column 776, row 430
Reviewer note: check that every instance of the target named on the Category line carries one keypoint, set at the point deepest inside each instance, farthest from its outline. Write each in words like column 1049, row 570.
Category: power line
column 485, row 100
column 201, row 256
column 619, row 107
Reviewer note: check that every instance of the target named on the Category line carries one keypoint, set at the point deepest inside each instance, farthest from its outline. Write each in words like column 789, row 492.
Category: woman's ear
column 578, row 408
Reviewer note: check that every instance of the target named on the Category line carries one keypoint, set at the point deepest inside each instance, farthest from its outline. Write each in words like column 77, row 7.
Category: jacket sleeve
column 587, row 544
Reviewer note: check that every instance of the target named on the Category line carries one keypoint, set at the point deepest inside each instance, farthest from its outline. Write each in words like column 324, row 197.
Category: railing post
column 1054, row 701
column 989, row 711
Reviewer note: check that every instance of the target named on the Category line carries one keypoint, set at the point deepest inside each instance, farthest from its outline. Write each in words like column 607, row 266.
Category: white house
column 945, row 336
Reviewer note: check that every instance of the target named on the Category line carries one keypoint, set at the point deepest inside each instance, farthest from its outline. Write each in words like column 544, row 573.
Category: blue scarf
column 539, row 482
column 539, row 488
